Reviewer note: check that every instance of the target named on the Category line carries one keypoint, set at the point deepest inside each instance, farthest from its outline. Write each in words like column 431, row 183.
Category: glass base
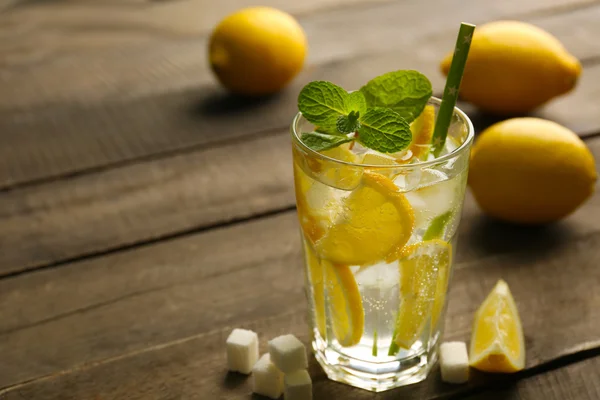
column 375, row 377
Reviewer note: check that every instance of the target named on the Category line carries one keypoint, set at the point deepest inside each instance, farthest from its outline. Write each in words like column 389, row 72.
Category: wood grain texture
column 81, row 109
column 123, row 302
column 145, row 201
column 580, row 381
column 152, row 321
column 130, row 300
column 57, row 221
column 117, row 100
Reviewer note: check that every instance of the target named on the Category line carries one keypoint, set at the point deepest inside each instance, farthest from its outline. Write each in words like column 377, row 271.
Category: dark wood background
column 144, row 213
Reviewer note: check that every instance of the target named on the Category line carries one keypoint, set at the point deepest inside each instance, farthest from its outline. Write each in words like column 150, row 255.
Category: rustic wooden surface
column 140, row 218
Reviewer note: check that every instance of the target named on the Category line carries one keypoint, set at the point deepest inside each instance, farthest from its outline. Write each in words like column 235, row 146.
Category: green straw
column 457, row 68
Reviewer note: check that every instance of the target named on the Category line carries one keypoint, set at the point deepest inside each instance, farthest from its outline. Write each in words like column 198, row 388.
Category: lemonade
column 379, row 232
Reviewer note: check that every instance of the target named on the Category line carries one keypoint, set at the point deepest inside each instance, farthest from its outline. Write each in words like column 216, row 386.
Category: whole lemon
column 514, row 67
column 257, row 50
column 530, row 170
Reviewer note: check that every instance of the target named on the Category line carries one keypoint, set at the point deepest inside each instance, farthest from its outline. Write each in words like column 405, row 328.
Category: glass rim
column 454, row 153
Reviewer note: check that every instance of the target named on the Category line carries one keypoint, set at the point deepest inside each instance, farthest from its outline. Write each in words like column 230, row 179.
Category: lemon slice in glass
column 317, row 285
column 422, row 130
column 335, row 285
column 345, row 304
column 374, row 219
column 424, row 270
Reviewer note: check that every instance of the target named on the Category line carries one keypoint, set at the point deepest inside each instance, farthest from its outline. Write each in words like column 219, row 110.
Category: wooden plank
column 120, row 42
column 578, row 381
column 145, row 201
column 138, row 102
column 151, row 322
column 101, row 24
column 130, row 300
column 61, row 220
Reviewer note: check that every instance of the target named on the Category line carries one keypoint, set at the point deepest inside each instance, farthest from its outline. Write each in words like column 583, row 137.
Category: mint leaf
column 374, row 350
column 322, row 103
column 384, row 130
column 321, row 141
column 348, row 124
column 437, row 226
column 356, row 102
column 394, row 348
column 329, row 130
column 404, row 91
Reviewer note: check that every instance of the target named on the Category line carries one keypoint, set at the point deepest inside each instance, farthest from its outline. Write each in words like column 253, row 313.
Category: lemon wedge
column 345, row 304
column 424, row 271
column 422, row 130
column 497, row 343
column 335, row 283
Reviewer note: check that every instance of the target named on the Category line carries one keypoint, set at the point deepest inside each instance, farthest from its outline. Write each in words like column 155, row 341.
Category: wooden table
column 144, row 213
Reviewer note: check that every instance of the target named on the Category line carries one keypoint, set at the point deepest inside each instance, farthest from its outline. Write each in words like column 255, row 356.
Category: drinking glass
column 379, row 234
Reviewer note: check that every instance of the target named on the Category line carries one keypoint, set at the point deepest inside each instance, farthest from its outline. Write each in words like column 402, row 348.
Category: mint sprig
column 356, row 102
column 322, row 141
column 384, row 130
column 378, row 116
column 405, row 92
column 322, row 103
column 348, row 124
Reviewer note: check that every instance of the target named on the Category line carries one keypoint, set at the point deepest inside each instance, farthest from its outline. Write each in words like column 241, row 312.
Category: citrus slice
column 317, row 281
column 422, row 130
column 381, row 159
column 424, row 269
column 441, row 286
column 378, row 159
column 497, row 343
column 310, row 224
column 340, row 175
column 345, row 304
column 373, row 220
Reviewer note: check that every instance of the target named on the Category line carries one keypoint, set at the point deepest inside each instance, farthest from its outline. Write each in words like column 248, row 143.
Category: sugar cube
column 267, row 379
column 242, row 350
column 288, row 353
column 454, row 362
column 298, row 386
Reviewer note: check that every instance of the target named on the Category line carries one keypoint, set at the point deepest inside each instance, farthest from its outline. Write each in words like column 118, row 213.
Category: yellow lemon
column 257, row 50
column 424, row 272
column 422, row 130
column 374, row 220
column 497, row 343
column 529, row 170
column 514, row 67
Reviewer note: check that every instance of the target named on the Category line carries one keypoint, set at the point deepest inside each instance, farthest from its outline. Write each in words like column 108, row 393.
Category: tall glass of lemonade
column 379, row 233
